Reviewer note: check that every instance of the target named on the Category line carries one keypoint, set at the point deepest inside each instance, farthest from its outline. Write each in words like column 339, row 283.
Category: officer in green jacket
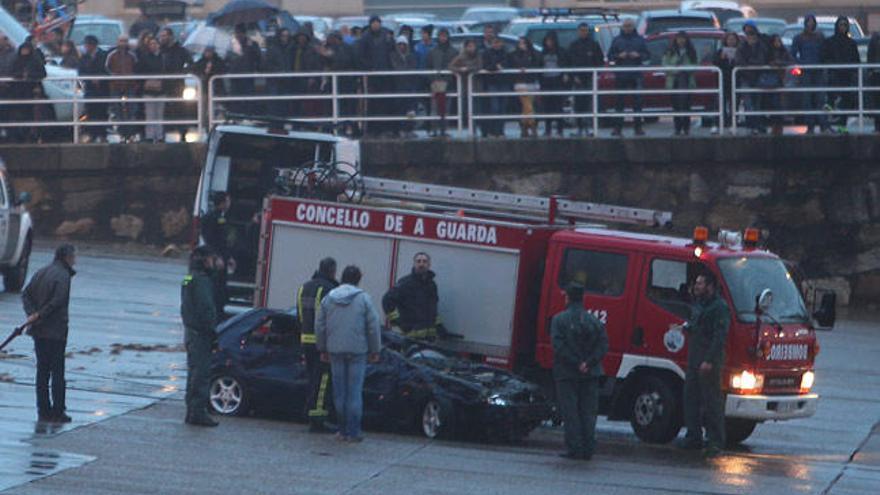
column 579, row 344
column 199, row 313
column 703, row 400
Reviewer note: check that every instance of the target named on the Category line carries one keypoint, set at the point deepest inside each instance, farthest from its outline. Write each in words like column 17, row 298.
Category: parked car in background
column 724, row 10
column 413, row 387
column 362, row 21
column 565, row 23
column 766, row 25
column 182, row 29
column 458, row 39
column 16, row 234
column 659, row 21
column 494, row 15
column 107, row 30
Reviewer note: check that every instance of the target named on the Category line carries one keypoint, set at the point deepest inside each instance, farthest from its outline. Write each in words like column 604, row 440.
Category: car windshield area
column 705, row 48
column 107, row 33
column 747, row 276
column 663, row 24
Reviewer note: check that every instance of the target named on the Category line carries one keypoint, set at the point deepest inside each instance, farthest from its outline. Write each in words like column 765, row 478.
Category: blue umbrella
column 242, row 12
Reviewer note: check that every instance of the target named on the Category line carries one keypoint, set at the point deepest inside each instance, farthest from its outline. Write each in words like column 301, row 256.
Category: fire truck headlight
column 807, row 381
column 747, row 381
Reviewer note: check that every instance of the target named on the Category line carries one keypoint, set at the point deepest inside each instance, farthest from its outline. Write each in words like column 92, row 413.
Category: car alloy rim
column 647, row 406
column 431, row 419
column 225, row 395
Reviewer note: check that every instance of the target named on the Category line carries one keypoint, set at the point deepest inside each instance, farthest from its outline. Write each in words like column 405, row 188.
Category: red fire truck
column 502, row 260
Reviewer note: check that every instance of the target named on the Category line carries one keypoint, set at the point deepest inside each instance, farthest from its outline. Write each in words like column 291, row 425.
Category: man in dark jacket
column 374, row 54
column 279, row 58
column 703, row 400
column 579, row 344
column 215, row 232
column 46, row 300
column 754, row 52
column 308, row 302
column 411, row 304
column 628, row 50
column 175, row 60
column 494, row 60
column 199, row 314
column 841, row 49
column 584, row 52
column 91, row 63
column 806, row 49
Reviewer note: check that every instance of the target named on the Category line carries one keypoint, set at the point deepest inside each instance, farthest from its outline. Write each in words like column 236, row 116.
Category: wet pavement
column 135, row 441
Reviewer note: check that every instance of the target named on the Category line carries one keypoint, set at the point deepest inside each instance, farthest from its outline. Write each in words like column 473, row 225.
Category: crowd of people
column 376, row 48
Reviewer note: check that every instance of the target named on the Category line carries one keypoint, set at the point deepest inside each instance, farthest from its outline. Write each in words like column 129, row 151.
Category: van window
column 600, row 273
column 669, row 284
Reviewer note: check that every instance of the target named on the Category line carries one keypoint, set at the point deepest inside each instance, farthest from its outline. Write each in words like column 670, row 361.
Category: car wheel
column 738, row 430
column 436, row 419
column 14, row 277
column 655, row 416
column 228, row 396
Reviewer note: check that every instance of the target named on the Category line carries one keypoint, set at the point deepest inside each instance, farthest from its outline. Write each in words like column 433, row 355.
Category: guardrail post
column 459, row 103
column 211, row 102
column 75, row 111
column 334, row 90
column 733, row 99
column 200, row 111
column 720, row 101
column 470, row 103
column 595, row 98
column 861, row 100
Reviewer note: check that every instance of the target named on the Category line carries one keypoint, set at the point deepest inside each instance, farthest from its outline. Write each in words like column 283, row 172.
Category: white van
column 242, row 161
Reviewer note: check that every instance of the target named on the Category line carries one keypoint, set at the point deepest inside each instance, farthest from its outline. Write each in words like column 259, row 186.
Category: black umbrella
column 242, row 12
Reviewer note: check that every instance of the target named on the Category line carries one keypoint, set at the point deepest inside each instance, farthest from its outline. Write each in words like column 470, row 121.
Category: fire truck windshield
column 747, row 276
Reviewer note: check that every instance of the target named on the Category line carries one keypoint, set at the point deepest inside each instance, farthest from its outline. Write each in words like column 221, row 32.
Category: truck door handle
column 638, row 337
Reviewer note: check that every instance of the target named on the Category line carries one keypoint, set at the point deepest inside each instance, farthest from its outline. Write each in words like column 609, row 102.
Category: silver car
column 16, row 234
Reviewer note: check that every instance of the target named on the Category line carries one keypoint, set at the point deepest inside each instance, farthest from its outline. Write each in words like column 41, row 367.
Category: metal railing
column 602, row 88
column 369, row 95
column 793, row 81
column 72, row 101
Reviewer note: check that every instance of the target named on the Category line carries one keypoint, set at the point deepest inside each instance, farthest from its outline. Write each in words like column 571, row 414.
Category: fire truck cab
column 638, row 285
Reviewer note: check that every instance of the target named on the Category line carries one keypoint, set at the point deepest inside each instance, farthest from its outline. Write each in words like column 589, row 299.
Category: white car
column 54, row 89
column 16, row 234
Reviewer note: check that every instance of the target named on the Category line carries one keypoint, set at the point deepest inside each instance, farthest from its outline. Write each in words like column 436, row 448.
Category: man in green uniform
column 579, row 344
column 199, row 313
column 217, row 234
column 308, row 302
column 703, row 400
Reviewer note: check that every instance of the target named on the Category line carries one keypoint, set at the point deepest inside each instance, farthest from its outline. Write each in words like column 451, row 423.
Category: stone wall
column 140, row 193
column 817, row 198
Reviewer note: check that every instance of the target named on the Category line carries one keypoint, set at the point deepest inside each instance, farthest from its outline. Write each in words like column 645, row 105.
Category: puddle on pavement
column 22, row 463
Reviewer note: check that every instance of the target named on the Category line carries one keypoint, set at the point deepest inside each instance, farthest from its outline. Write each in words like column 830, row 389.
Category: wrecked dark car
column 258, row 367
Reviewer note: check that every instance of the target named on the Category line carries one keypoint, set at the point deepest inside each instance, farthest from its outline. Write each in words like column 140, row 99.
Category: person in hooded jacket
column 874, row 78
column 279, row 58
column 244, row 58
column 403, row 59
column 806, row 49
column 553, row 57
column 207, row 66
column 841, row 49
column 150, row 63
column 494, row 59
column 91, row 63
column 374, row 50
column 306, row 59
column 525, row 57
column 725, row 60
column 464, row 64
column 339, row 56
column 628, row 50
column 348, row 335
column 779, row 57
column 29, row 70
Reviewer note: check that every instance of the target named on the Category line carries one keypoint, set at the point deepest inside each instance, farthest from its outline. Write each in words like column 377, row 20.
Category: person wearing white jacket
column 347, row 334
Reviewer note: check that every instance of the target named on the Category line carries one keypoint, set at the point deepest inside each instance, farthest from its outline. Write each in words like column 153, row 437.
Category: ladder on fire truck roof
column 547, row 207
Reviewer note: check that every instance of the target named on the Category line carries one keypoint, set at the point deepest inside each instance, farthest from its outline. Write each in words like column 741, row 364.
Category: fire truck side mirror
column 827, row 312
column 764, row 301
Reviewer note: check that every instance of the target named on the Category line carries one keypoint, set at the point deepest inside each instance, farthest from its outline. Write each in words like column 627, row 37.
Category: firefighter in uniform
column 579, row 344
column 703, row 400
column 411, row 305
column 308, row 302
column 199, row 313
column 215, row 230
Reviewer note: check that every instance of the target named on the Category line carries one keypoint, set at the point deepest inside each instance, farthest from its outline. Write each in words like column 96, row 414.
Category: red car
column 706, row 43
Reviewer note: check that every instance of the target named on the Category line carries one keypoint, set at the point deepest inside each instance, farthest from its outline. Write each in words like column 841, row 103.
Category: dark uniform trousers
column 198, row 377
column 50, row 367
column 704, row 405
column 319, row 386
column 578, row 401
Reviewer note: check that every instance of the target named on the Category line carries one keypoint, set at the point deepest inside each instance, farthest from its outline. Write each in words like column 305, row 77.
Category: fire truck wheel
column 738, row 430
column 655, row 416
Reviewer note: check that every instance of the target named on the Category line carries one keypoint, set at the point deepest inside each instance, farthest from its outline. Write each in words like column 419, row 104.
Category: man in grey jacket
column 347, row 333
column 46, row 299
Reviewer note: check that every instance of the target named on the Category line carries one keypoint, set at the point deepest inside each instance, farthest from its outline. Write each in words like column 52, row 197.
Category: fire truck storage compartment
column 483, row 312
